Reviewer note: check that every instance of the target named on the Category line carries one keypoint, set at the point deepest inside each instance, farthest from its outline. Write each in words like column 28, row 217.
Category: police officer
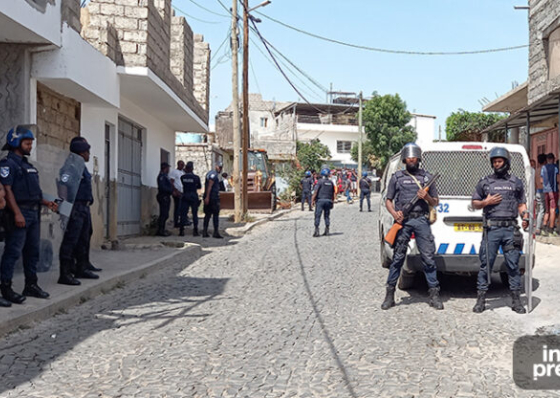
column 3, row 301
column 403, row 187
column 212, row 201
column 323, row 199
column 165, row 189
column 306, row 185
column 365, row 191
column 502, row 197
column 191, row 185
column 24, row 198
column 75, row 243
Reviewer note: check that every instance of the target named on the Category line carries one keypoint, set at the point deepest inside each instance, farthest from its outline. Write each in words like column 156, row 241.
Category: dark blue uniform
column 324, row 201
column 75, row 243
column 365, row 192
column 307, row 186
column 212, row 209
column 165, row 189
column 17, row 172
column 191, row 185
column 401, row 190
column 500, row 226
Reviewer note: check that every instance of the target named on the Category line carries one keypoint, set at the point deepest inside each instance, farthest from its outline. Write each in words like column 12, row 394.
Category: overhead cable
column 208, row 10
column 195, row 18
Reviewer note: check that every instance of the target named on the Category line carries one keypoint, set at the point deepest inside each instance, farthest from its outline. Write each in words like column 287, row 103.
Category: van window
column 462, row 170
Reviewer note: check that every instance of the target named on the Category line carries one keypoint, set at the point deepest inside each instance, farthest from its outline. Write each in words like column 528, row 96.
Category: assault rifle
column 391, row 236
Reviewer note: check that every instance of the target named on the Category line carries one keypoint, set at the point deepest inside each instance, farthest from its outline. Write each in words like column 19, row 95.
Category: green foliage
column 385, row 122
column 368, row 154
column 294, row 176
column 311, row 155
column 466, row 126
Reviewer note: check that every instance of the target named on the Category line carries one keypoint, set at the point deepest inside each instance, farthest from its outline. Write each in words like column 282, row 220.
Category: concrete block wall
column 544, row 16
column 200, row 154
column 143, row 38
column 182, row 51
column 201, row 71
column 71, row 14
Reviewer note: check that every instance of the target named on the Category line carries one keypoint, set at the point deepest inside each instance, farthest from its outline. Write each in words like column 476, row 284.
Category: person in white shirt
column 225, row 180
column 175, row 178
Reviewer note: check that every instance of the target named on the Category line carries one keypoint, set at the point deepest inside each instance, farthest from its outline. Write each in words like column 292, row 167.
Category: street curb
column 240, row 231
column 83, row 293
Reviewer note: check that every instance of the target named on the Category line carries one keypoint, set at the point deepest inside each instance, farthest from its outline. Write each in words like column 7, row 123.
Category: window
column 164, row 155
column 554, row 54
column 343, row 146
column 264, row 121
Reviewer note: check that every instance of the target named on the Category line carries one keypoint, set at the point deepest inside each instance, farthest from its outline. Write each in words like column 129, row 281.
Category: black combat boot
column 205, row 233
column 32, row 289
column 516, row 302
column 66, row 277
column 4, row 303
column 195, row 231
column 480, row 302
column 435, row 300
column 217, row 235
column 326, row 233
column 316, row 233
column 182, row 231
column 91, row 267
column 389, row 298
column 86, row 274
column 9, row 294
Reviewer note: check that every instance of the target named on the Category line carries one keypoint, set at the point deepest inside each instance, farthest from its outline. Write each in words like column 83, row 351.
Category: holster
column 518, row 239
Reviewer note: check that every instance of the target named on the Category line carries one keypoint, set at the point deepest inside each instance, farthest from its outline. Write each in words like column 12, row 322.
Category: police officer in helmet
column 24, row 198
column 212, row 201
column 403, row 187
column 365, row 191
column 502, row 197
column 306, row 185
column 323, row 199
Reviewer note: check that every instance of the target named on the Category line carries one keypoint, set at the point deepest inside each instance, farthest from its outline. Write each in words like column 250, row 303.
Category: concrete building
column 122, row 74
column 534, row 105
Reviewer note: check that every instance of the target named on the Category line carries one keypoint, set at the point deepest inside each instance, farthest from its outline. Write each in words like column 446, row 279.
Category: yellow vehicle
column 261, row 184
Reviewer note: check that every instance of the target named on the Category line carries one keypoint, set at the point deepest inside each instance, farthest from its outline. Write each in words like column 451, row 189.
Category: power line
column 228, row 36
column 195, row 18
column 208, row 10
column 385, row 50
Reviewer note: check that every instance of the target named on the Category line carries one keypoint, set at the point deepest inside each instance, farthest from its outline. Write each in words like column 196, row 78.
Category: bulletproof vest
column 325, row 189
column 85, row 193
column 26, row 188
column 407, row 190
column 191, row 183
column 508, row 188
column 215, row 191
column 164, row 185
column 364, row 185
column 306, row 184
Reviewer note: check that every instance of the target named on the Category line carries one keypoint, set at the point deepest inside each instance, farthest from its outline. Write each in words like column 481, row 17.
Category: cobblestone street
column 273, row 314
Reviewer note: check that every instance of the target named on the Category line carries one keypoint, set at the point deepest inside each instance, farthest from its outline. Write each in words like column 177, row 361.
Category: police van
column 458, row 228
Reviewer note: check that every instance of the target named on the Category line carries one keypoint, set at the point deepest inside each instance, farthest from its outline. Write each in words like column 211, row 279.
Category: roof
column 303, row 107
column 511, row 101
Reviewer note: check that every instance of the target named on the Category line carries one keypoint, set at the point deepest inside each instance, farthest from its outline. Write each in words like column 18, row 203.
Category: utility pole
column 237, row 205
column 359, row 140
column 245, row 122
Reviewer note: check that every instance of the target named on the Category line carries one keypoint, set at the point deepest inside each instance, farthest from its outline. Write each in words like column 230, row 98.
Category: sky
column 432, row 85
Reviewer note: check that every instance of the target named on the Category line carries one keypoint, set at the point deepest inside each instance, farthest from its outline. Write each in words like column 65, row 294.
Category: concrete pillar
column 513, row 137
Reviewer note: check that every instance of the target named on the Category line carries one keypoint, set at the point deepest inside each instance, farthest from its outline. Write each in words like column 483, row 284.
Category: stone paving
column 274, row 314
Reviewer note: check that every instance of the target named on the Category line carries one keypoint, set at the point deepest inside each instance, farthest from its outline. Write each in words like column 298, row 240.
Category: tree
column 368, row 154
column 466, row 126
column 311, row 155
column 386, row 124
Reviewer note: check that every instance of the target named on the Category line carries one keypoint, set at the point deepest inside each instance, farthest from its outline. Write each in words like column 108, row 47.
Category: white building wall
column 44, row 27
column 425, row 128
column 93, row 129
column 329, row 134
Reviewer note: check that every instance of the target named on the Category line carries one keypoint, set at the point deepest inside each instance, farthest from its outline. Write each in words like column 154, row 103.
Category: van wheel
column 505, row 279
column 406, row 280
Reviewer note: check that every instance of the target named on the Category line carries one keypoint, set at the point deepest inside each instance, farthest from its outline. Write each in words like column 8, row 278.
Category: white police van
column 458, row 229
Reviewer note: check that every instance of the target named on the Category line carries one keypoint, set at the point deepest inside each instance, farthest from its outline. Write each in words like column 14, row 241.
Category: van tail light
column 471, row 146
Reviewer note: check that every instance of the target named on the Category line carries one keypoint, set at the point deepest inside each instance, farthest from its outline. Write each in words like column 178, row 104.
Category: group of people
column 547, row 179
column 183, row 186
column 21, row 211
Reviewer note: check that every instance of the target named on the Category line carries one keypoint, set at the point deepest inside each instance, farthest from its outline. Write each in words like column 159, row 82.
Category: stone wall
column 224, row 129
column 143, row 37
column 544, row 17
column 71, row 14
column 202, row 155
column 202, row 71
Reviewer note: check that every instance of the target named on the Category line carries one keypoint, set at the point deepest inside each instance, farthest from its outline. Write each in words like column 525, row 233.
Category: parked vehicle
column 458, row 229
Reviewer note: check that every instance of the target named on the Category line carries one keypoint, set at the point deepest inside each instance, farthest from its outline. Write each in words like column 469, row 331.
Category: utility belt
column 500, row 223
column 417, row 214
column 29, row 206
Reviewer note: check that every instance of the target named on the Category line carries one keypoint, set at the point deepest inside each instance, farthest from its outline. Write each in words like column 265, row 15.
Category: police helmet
column 325, row 172
column 307, row 173
column 411, row 150
column 18, row 134
column 364, row 173
column 500, row 152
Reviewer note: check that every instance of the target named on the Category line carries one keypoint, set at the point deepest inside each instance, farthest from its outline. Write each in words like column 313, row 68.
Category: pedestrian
column 24, row 198
column 502, row 197
column 191, row 185
column 212, row 201
column 354, row 179
column 365, row 191
column 550, row 178
column 76, row 239
column 348, row 191
column 165, row 190
column 225, row 182
column 306, row 185
column 404, row 186
column 539, row 193
column 323, row 200
column 175, row 178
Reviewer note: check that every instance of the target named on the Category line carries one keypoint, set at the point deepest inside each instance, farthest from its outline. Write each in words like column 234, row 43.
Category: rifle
column 391, row 236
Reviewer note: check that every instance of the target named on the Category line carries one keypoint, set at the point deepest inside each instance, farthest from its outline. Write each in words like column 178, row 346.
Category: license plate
column 468, row 227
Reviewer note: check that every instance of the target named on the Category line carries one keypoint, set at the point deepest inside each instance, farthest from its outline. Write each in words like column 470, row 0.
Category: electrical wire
column 389, row 51
column 208, row 10
column 228, row 36
column 195, row 18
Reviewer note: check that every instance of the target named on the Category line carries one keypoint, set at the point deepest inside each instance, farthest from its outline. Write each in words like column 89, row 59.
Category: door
column 107, row 203
column 129, row 176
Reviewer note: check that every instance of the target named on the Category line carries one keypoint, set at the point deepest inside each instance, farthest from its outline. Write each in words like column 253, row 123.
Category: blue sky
column 434, row 85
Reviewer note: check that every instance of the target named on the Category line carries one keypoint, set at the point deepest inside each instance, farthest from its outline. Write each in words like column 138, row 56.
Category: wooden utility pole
column 359, row 141
column 237, row 205
column 245, row 122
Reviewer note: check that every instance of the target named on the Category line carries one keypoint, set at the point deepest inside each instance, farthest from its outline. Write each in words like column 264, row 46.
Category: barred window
column 343, row 146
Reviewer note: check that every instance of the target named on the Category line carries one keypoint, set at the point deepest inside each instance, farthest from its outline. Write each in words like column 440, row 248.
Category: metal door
column 129, row 179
